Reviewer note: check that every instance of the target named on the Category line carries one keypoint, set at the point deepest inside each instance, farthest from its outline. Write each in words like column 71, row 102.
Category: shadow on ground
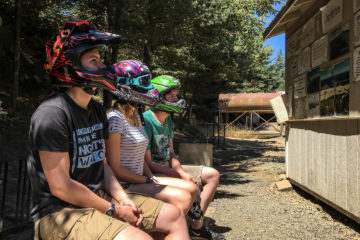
column 240, row 150
column 212, row 225
column 226, row 194
column 228, row 178
column 241, row 156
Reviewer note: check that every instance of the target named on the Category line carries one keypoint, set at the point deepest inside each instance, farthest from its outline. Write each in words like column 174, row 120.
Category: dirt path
column 247, row 206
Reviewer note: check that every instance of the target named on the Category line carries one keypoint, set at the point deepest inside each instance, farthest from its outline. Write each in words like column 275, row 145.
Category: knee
column 216, row 175
column 211, row 175
column 185, row 200
column 174, row 213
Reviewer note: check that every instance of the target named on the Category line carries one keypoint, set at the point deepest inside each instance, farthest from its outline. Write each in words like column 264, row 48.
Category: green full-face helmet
column 162, row 85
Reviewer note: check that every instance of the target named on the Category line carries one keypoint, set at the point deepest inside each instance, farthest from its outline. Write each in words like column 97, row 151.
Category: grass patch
column 265, row 136
column 239, row 132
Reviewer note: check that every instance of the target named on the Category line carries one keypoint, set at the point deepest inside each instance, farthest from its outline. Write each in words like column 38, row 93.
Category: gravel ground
column 247, row 206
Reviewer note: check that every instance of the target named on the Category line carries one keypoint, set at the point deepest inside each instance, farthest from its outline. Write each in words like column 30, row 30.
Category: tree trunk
column 147, row 48
column 107, row 97
column 15, row 87
column 147, row 56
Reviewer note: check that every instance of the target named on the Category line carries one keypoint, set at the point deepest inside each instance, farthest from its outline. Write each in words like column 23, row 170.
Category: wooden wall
column 324, row 157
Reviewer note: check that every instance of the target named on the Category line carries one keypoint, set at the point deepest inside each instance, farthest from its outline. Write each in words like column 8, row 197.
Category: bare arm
column 157, row 168
column 56, row 167
column 112, row 185
column 113, row 157
column 147, row 171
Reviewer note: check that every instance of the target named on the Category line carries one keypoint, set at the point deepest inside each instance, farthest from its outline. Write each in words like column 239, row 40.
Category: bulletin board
column 323, row 63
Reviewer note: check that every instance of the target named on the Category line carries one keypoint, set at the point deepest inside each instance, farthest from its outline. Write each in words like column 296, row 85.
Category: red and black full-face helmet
column 65, row 50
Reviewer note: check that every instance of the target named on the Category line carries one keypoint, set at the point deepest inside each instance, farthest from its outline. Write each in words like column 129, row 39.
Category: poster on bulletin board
column 293, row 44
column 356, row 62
column 357, row 29
column 327, row 99
column 327, row 79
column 341, row 101
column 342, row 73
column 331, row 14
column 300, row 86
column 313, row 81
column 293, row 67
column 313, row 103
column 339, row 41
column 308, row 33
column 304, row 61
column 319, row 51
column 356, row 6
column 342, row 79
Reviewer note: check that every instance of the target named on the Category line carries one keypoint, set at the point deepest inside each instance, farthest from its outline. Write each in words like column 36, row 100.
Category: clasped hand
column 129, row 212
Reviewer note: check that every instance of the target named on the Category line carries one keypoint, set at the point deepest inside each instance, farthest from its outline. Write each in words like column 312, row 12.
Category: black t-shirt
column 60, row 125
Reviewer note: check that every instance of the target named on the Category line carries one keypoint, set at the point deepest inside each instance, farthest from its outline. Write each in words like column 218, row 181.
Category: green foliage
column 211, row 46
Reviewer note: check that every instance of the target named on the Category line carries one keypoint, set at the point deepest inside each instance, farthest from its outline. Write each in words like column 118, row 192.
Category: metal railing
column 15, row 196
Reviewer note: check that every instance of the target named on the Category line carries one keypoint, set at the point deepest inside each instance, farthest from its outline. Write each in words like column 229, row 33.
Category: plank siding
column 323, row 156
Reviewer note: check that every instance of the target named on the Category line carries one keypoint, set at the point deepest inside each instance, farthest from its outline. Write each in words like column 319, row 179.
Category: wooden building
column 323, row 98
column 251, row 105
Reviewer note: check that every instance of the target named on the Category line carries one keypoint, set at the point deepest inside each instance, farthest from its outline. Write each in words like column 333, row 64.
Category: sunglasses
column 143, row 81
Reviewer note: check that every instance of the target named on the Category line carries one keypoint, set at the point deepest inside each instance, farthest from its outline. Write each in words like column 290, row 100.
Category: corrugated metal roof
column 237, row 102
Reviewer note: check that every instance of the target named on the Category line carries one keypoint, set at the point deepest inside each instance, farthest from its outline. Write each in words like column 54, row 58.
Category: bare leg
column 133, row 233
column 171, row 221
column 176, row 196
column 176, row 182
column 210, row 181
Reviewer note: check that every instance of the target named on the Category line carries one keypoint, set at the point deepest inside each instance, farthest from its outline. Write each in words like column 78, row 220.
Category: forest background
column 211, row 46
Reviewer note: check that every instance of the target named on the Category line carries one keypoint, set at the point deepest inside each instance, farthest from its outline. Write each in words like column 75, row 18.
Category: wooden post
column 251, row 121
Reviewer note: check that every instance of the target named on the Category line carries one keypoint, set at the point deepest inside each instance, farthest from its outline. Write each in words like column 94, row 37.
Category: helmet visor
column 143, row 81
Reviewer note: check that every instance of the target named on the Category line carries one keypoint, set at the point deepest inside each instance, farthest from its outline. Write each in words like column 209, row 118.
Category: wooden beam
column 278, row 30
column 301, row 2
column 266, row 122
column 236, row 119
column 291, row 16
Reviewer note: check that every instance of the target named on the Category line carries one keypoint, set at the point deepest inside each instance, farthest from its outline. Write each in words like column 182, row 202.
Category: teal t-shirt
column 159, row 137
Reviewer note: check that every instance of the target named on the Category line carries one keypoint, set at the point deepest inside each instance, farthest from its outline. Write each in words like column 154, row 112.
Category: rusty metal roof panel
column 237, row 102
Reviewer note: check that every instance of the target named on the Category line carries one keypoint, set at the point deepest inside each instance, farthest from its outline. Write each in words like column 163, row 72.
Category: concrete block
column 196, row 154
column 283, row 185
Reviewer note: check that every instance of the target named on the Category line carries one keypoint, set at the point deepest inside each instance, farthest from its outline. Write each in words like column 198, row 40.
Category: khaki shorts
column 88, row 223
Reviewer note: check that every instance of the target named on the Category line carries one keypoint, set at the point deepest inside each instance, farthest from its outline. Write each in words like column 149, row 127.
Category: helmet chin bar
column 127, row 94
column 165, row 106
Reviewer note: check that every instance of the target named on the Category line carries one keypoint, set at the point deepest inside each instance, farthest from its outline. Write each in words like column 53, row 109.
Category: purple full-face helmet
column 135, row 77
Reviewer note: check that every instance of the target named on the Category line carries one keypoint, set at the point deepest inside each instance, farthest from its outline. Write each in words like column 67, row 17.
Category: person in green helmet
column 162, row 160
